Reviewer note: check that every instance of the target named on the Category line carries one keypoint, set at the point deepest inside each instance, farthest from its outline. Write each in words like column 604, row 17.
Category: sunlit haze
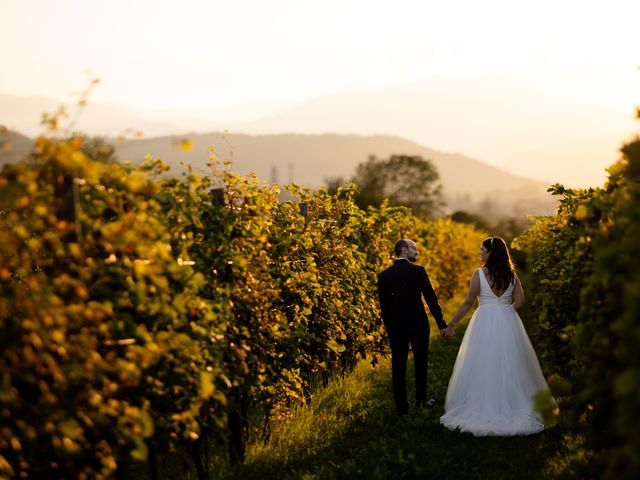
column 558, row 80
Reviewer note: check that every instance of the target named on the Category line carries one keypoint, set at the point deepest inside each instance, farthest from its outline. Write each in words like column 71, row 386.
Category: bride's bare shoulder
column 475, row 277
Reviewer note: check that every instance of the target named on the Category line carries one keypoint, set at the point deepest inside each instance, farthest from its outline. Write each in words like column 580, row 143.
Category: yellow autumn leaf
column 141, row 452
column 71, row 428
column 185, row 145
column 581, row 212
column 206, row 385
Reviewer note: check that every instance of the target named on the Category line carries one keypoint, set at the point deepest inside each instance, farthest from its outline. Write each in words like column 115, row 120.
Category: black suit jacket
column 400, row 291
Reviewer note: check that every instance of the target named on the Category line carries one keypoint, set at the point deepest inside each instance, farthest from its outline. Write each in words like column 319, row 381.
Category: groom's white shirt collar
column 402, row 258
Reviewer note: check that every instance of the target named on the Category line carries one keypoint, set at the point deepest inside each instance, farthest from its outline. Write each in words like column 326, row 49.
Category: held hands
column 448, row 332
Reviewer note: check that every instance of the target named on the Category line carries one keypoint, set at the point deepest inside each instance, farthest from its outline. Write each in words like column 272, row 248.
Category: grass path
column 350, row 430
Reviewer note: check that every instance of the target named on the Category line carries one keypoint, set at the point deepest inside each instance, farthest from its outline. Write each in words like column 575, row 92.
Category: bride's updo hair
column 499, row 264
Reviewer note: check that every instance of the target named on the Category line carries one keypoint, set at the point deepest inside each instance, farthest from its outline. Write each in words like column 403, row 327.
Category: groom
column 400, row 291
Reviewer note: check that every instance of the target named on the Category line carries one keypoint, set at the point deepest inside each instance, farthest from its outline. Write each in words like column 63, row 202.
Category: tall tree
column 406, row 180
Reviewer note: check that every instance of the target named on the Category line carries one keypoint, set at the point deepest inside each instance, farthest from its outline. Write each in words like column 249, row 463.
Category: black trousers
column 400, row 342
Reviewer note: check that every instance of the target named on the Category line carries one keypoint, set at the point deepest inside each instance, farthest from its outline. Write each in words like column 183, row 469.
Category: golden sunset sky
column 228, row 63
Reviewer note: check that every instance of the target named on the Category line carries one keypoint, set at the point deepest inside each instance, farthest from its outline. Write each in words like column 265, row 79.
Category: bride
column 496, row 374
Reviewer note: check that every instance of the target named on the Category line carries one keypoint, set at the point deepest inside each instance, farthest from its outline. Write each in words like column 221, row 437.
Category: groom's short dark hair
column 400, row 244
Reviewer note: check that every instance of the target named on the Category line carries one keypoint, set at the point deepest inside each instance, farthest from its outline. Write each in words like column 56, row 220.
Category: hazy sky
column 238, row 60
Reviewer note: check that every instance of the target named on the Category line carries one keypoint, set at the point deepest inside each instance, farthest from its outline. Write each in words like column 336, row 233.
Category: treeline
column 586, row 292
column 141, row 315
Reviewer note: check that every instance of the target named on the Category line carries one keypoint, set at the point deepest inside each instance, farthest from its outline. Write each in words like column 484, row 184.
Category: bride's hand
column 449, row 332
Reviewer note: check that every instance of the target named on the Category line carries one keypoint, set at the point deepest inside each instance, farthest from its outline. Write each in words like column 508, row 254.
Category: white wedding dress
column 496, row 374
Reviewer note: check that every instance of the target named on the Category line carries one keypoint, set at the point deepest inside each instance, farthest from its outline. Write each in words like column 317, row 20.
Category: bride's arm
column 472, row 294
column 518, row 295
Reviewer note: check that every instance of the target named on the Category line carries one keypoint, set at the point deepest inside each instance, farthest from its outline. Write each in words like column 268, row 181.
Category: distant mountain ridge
column 468, row 184
column 23, row 114
column 13, row 146
column 311, row 159
column 514, row 120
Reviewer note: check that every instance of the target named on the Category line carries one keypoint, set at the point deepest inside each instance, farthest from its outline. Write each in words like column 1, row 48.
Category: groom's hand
column 443, row 333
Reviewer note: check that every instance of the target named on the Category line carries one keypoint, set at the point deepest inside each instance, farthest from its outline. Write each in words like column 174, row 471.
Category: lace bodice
column 487, row 297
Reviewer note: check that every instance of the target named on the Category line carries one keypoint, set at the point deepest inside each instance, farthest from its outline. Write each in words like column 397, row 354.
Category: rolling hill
column 310, row 160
